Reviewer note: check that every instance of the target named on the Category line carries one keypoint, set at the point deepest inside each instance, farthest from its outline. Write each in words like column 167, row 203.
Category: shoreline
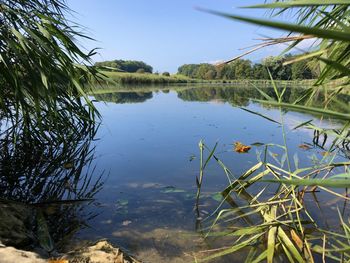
column 100, row 251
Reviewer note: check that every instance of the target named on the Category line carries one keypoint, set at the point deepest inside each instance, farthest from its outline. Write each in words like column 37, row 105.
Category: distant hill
column 125, row 66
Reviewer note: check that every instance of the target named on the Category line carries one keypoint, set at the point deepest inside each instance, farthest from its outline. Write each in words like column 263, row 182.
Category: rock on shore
column 100, row 252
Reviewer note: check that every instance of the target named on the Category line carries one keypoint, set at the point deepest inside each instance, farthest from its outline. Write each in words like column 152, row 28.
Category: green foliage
column 197, row 70
column 43, row 72
column 202, row 70
column 124, row 66
column 47, row 123
column 277, row 69
column 224, row 72
column 188, row 70
column 210, row 74
column 167, row 74
column 299, row 72
column 259, row 72
column 277, row 221
column 324, row 20
column 305, row 69
column 241, row 69
column 147, row 79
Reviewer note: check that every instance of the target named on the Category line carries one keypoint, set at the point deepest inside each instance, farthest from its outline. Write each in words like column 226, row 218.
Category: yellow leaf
column 58, row 261
column 296, row 239
column 241, row 148
column 304, row 147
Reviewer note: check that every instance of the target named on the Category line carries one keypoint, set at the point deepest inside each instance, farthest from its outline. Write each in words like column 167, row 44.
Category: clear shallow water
column 148, row 146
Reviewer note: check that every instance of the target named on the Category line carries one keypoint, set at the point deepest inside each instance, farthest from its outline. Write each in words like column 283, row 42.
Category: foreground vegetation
column 43, row 71
column 47, row 124
column 266, row 210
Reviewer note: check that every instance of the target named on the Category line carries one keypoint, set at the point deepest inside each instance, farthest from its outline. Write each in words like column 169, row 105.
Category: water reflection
column 45, row 177
column 124, row 97
column 332, row 141
column 149, row 147
column 148, row 201
column 236, row 96
column 241, row 96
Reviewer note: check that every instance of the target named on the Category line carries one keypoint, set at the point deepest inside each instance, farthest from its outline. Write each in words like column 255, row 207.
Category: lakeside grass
column 146, row 78
column 124, row 78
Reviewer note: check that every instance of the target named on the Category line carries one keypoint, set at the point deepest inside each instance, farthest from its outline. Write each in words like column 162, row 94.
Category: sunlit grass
column 146, row 78
column 274, row 223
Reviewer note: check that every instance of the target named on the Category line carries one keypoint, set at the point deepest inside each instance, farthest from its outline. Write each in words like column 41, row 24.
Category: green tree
column 259, row 72
column 301, row 70
column 203, row 69
column 242, row 68
column 210, row 74
column 198, row 71
column 277, row 69
column 225, row 72
column 124, row 65
column 188, row 70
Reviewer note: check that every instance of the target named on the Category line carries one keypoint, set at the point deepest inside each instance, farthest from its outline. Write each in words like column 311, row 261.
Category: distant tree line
column 245, row 69
column 125, row 65
column 236, row 70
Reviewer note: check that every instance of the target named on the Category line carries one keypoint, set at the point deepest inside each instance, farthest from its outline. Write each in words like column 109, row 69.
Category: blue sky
column 167, row 34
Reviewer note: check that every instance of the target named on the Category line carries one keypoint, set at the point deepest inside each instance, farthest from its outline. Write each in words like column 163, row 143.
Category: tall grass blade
column 300, row 3
column 315, row 31
column 261, row 115
column 325, row 112
column 333, row 183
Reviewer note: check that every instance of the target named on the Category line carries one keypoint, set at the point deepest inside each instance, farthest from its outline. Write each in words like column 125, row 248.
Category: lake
column 148, row 149
column 133, row 177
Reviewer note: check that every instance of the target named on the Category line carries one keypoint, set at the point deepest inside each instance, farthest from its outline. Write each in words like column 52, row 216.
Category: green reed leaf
column 333, row 183
column 315, row 31
column 300, row 3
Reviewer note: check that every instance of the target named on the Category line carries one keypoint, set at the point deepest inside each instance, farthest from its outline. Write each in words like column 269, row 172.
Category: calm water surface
column 148, row 147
